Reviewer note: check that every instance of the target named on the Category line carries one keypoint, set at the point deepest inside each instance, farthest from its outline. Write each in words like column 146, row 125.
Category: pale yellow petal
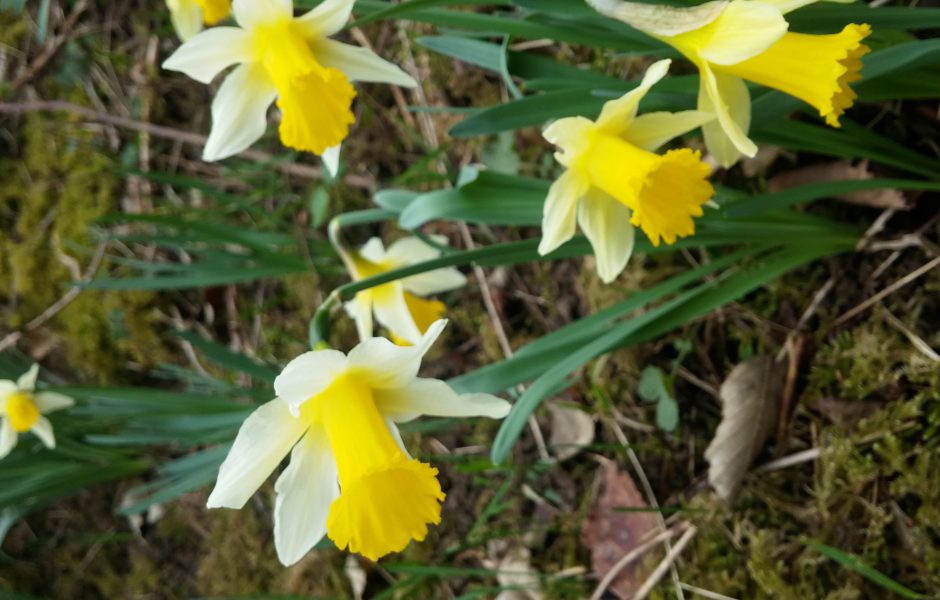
column 617, row 115
column 651, row 130
column 559, row 216
column 606, row 223
column 660, row 20
column 744, row 29
column 571, row 135
column 728, row 98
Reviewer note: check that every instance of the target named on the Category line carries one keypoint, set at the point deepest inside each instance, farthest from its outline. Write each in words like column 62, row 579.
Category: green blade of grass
column 673, row 314
column 855, row 564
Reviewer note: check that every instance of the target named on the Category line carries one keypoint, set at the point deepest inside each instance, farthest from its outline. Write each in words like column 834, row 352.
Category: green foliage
column 827, row 530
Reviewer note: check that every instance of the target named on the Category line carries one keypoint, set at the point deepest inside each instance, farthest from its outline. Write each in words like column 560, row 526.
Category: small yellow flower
column 350, row 476
column 399, row 306
column 737, row 40
column 614, row 180
column 188, row 16
column 21, row 410
column 288, row 59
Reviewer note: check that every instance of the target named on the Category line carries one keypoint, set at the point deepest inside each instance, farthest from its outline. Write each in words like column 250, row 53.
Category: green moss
column 61, row 183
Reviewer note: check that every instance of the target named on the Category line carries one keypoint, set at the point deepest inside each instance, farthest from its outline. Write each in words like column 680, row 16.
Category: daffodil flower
column 613, row 179
column 287, row 59
column 350, row 476
column 22, row 409
column 399, row 306
column 737, row 40
column 188, row 16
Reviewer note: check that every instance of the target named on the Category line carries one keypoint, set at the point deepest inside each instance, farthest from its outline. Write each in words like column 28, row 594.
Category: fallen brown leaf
column 750, row 404
column 611, row 532
column 841, row 170
column 572, row 429
column 846, row 413
column 512, row 562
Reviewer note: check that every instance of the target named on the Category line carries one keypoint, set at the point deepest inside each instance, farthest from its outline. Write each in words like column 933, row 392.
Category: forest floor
column 863, row 427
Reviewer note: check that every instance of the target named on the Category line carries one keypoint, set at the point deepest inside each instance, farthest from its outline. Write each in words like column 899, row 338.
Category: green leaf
column 667, row 413
column 483, row 197
column 829, row 18
column 319, row 206
column 394, row 200
column 851, row 141
column 238, row 363
column 855, row 564
column 652, row 387
column 500, row 155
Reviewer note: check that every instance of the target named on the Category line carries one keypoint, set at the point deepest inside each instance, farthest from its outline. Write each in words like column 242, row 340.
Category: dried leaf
column 617, row 524
column 512, row 561
column 841, row 170
column 572, row 429
column 846, row 413
column 758, row 164
column 750, row 404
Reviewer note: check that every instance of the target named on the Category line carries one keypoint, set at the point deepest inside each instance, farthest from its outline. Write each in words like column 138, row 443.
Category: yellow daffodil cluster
column 350, row 477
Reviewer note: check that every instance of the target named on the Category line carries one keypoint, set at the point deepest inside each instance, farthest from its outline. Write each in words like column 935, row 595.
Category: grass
column 861, row 522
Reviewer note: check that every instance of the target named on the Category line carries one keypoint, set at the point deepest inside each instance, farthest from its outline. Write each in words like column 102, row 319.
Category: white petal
column 727, row 96
column 391, row 310
column 658, row 20
column 571, row 135
column 239, row 111
column 8, row 437
column 326, row 19
column 7, row 387
column 186, row 16
column 360, row 309
column 263, row 440
column 744, row 29
column 617, row 114
column 558, row 217
column 360, row 64
column 373, row 250
column 305, row 491
column 308, row 375
column 43, row 430
column 47, row 402
column 651, row 130
column 435, row 282
column 411, row 250
column 606, row 223
column 27, row 381
column 209, row 53
column 388, row 365
column 251, row 13
column 435, row 398
column 330, row 160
